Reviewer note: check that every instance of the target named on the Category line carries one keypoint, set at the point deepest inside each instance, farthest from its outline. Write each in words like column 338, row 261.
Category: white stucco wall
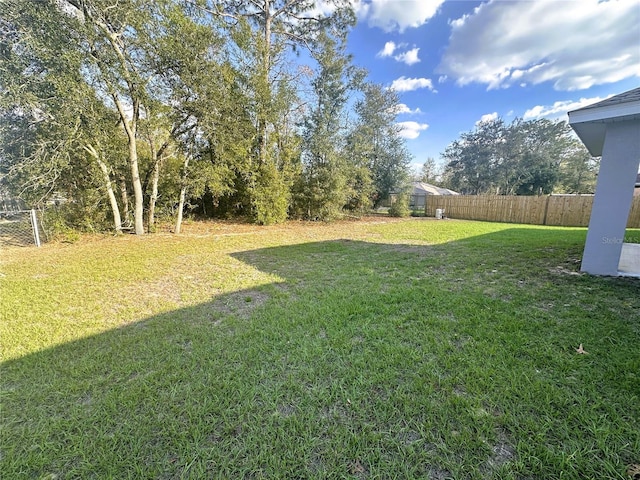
column 612, row 202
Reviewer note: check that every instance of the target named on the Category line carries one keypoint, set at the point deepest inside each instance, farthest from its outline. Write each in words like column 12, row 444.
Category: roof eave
column 605, row 113
column 590, row 124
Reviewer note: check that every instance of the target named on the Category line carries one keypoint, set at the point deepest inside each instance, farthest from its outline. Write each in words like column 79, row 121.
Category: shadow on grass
column 370, row 361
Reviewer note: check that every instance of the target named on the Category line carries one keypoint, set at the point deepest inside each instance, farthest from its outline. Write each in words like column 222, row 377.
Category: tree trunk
column 117, row 221
column 124, row 197
column 157, row 156
column 137, row 188
column 263, row 123
column 183, row 194
column 154, row 196
column 130, row 128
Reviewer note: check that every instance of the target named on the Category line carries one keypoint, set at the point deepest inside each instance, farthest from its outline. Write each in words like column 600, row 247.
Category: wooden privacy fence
column 560, row 210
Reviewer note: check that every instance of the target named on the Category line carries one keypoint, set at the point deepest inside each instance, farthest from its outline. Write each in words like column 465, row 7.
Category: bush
column 400, row 208
column 270, row 197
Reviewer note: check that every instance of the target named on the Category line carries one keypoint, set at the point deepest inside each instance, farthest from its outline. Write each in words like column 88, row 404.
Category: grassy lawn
column 374, row 349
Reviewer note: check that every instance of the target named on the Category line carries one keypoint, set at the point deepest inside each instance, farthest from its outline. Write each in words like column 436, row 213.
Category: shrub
column 400, row 207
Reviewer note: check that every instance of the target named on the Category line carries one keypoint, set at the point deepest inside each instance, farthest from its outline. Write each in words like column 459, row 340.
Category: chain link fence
column 21, row 228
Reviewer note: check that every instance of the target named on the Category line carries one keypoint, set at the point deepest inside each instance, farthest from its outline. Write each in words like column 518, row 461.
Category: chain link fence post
column 20, row 228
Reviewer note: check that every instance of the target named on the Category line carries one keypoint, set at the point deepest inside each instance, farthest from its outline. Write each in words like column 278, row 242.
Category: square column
column 613, row 197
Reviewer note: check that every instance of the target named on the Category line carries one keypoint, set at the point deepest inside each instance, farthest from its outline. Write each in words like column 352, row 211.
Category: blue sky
column 454, row 63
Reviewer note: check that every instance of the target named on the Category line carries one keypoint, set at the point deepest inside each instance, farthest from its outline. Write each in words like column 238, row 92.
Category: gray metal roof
column 422, row 188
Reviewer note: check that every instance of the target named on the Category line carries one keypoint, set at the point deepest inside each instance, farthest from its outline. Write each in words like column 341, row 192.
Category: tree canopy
column 128, row 110
column 530, row 157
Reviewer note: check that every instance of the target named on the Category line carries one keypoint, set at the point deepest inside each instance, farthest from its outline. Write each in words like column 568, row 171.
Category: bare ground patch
column 240, row 303
column 503, row 452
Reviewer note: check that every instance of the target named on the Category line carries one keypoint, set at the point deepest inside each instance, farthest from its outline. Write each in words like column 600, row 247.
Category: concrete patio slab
column 629, row 265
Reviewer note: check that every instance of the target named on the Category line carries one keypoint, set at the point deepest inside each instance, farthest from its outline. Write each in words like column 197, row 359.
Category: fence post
column 34, row 226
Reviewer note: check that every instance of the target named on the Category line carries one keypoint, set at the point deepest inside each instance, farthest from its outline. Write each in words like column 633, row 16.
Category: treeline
column 125, row 110
column 531, row 157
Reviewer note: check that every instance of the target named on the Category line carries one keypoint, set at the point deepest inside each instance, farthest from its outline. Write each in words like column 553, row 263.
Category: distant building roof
column 421, row 188
column 590, row 122
column 638, row 180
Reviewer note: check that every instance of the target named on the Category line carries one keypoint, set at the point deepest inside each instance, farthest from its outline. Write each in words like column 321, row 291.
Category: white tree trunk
column 117, row 220
column 183, row 195
column 154, row 196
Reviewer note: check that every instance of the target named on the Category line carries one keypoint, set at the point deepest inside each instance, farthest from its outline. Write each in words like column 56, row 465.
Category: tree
column 265, row 31
column 102, row 48
column 542, row 146
column 428, row 171
column 135, row 60
column 578, row 171
column 522, row 158
column 472, row 161
column 375, row 141
column 323, row 189
column 208, row 125
column 57, row 133
column 36, row 131
column 110, row 39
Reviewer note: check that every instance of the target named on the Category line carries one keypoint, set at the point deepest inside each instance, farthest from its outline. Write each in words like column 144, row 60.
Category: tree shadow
column 364, row 350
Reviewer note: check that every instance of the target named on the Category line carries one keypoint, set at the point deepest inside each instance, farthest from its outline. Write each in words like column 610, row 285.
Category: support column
column 612, row 201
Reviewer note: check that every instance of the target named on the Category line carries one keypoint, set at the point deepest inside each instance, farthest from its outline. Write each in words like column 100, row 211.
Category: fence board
column 557, row 210
column 634, row 214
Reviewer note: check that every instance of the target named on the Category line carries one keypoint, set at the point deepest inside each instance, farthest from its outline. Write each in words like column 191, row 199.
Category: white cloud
column 488, row 117
column 404, row 84
column 442, row 78
column 402, row 108
column 387, row 51
column 326, row 8
column 574, row 44
column 559, row 109
column 411, row 130
column 409, row 57
column 399, row 15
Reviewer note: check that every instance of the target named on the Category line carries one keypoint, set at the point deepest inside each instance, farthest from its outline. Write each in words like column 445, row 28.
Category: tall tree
column 428, row 172
column 116, row 65
column 375, row 141
column 210, row 116
column 266, row 32
column 578, row 171
column 522, row 158
column 473, row 160
column 56, row 132
column 37, row 127
column 324, row 184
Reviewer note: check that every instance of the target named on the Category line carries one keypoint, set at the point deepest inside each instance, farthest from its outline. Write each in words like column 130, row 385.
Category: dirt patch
column 562, row 270
column 437, row 473
column 503, row 452
column 409, row 437
column 286, row 410
column 241, row 304
column 358, row 469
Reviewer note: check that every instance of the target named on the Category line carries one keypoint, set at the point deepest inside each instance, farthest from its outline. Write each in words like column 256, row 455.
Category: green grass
column 397, row 349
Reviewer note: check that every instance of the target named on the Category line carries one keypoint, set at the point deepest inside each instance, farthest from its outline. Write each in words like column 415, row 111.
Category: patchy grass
column 375, row 349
